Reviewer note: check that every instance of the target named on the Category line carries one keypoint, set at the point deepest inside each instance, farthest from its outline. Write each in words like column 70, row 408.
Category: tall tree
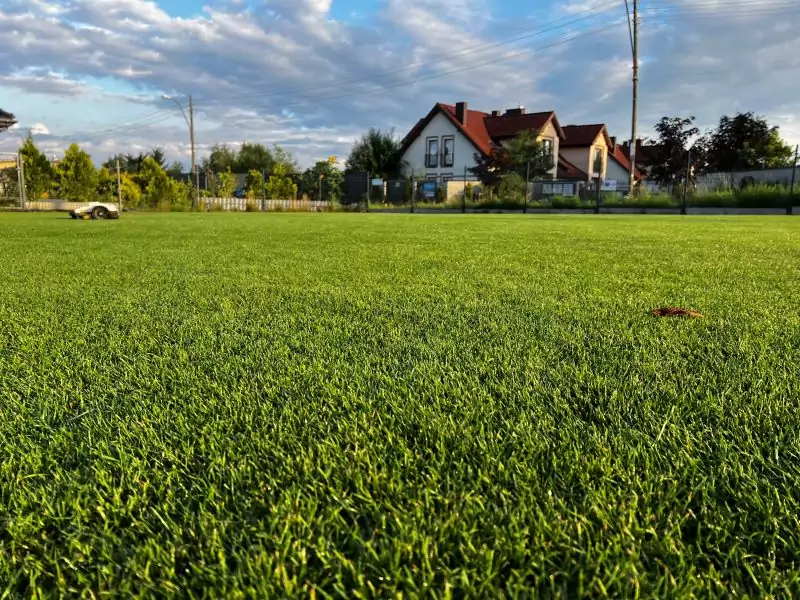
column 76, row 176
column 280, row 186
column 221, row 159
column 38, row 170
column 490, row 169
column 157, row 187
column 175, row 169
column 746, row 141
column 253, row 157
column 157, row 154
column 377, row 153
column 529, row 156
column 283, row 157
column 524, row 155
column 672, row 149
column 325, row 176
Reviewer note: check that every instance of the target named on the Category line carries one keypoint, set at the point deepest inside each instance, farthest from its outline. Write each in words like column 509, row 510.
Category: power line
column 554, row 25
column 381, row 88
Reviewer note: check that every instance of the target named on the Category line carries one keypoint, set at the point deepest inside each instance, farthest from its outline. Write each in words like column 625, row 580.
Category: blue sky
column 312, row 75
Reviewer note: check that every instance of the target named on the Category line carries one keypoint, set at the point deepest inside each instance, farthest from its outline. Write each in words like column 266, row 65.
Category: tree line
column 743, row 142
column 145, row 181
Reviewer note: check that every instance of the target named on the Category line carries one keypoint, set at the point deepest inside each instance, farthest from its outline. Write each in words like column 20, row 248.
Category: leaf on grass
column 672, row 311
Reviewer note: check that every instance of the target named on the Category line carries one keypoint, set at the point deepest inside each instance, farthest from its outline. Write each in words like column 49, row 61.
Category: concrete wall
column 463, row 153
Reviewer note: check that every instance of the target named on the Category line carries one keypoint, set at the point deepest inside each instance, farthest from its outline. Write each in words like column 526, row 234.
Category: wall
column 617, row 172
column 463, row 154
column 549, row 132
column 455, row 188
column 582, row 157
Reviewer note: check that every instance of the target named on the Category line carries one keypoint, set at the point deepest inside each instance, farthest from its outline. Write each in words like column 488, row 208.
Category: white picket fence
column 211, row 204
column 241, row 204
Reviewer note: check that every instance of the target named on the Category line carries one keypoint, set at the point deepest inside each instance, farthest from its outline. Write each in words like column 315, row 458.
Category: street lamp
column 190, row 123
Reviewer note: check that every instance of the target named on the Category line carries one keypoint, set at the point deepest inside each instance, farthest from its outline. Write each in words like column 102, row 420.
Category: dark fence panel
column 355, row 188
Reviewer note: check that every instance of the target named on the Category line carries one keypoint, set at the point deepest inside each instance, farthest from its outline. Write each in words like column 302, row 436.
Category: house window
column 597, row 162
column 447, row 177
column 547, row 148
column 432, row 155
column 448, row 151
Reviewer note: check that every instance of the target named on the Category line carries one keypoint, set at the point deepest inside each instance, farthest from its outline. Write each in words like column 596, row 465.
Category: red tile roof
column 475, row 129
column 584, row 135
column 507, row 126
column 622, row 159
column 483, row 129
column 566, row 170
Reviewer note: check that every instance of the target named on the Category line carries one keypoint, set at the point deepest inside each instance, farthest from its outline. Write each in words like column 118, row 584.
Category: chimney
column 613, row 139
column 516, row 111
column 638, row 144
column 495, row 113
column 461, row 113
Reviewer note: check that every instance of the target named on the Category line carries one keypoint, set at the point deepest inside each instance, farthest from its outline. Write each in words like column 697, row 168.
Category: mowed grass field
column 347, row 405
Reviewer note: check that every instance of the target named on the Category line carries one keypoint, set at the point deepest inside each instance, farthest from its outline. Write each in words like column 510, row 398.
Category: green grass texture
column 417, row 406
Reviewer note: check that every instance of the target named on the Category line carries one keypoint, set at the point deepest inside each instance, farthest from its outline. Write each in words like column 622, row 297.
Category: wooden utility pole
column 195, row 170
column 119, row 188
column 634, row 112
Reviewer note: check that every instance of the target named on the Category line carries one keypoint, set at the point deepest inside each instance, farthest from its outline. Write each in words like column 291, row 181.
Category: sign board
column 428, row 189
column 609, row 185
column 377, row 182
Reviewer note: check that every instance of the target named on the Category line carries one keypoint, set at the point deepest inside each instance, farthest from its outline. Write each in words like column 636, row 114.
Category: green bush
column 565, row 202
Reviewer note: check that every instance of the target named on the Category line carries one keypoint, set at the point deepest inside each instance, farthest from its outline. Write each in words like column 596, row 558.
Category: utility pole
column 190, row 123
column 634, row 112
column 119, row 188
column 195, row 170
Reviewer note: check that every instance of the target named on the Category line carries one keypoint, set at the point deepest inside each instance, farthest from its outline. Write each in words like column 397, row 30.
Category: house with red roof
column 443, row 144
column 596, row 154
column 586, row 147
column 7, row 120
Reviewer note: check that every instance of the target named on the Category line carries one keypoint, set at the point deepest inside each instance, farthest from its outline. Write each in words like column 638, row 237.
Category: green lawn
column 349, row 405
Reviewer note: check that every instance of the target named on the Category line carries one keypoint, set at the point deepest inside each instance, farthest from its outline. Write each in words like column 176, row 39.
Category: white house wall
column 463, row 153
column 615, row 171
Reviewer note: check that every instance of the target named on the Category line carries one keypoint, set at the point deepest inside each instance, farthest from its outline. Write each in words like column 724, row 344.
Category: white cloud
column 286, row 71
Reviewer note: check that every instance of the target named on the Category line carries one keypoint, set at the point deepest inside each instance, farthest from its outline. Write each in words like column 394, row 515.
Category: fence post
column 464, row 195
column 686, row 181
column 264, row 190
column 413, row 189
column 791, row 187
column 369, row 193
column 597, row 197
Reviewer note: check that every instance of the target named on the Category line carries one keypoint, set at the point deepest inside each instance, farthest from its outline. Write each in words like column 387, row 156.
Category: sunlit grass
column 359, row 405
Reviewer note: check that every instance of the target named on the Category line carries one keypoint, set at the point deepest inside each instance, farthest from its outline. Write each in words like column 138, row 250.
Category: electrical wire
column 600, row 8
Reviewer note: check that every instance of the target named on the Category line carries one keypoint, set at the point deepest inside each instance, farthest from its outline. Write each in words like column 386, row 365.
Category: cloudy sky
column 312, row 75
